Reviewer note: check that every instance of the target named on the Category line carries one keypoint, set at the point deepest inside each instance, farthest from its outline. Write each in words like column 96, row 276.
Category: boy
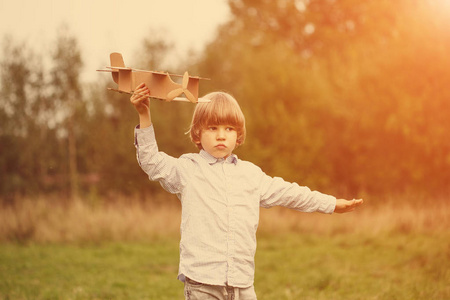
column 220, row 197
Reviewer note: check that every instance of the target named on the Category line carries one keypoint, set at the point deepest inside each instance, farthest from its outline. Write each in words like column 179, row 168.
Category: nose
column 220, row 134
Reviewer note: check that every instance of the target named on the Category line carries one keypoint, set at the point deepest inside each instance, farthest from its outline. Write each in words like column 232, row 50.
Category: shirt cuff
column 328, row 204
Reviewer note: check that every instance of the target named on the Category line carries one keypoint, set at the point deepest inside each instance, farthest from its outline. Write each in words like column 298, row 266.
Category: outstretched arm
column 343, row 206
column 141, row 102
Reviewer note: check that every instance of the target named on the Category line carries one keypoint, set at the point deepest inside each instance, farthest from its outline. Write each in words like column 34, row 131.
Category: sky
column 105, row 26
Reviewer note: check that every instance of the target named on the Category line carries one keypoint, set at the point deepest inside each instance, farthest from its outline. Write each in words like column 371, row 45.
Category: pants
column 198, row 291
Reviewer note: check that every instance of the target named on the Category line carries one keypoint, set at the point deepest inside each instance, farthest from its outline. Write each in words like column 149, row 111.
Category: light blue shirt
column 220, row 201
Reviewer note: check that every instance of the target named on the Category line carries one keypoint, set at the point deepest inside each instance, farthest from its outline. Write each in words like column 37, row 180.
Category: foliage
column 66, row 92
column 343, row 96
column 348, row 97
column 27, row 123
column 85, row 133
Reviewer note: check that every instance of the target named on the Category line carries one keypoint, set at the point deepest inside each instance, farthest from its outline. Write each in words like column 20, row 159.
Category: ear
column 196, row 140
column 198, row 144
column 239, row 142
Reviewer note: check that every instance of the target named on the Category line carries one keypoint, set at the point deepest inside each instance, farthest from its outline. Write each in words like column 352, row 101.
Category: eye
column 230, row 128
column 212, row 128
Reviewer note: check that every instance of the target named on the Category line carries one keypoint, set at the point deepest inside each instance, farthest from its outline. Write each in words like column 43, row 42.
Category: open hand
column 343, row 206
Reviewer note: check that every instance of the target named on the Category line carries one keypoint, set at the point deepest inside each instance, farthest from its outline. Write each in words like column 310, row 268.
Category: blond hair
column 222, row 110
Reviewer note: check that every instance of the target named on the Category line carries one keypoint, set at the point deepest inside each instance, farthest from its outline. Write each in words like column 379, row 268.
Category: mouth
column 220, row 146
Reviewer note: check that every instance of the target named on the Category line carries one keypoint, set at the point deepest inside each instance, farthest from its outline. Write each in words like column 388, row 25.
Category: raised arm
column 141, row 102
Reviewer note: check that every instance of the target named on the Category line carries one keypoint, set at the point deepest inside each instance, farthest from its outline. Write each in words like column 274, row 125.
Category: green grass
column 289, row 266
column 104, row 271
column 355, row 267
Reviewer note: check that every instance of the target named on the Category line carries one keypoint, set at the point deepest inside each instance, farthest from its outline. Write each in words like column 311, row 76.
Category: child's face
column 219, row 140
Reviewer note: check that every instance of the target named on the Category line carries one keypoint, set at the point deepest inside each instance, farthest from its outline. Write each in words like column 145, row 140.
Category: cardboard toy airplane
column 160, row 84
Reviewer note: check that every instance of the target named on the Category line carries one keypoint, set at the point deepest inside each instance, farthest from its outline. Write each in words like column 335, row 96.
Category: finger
column 359, row 202
column 356, row 203
column 141, row 92
column 137, row 98
column 145, row 92
column 140, row 98
column 141, row 88
column 140, row 85
column 144, row 100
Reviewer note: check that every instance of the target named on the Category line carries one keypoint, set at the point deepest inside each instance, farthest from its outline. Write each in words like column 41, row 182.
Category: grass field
column 289, row 266
column 130, row 251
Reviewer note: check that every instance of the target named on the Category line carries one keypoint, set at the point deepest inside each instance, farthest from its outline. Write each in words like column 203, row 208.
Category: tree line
column 348, row 97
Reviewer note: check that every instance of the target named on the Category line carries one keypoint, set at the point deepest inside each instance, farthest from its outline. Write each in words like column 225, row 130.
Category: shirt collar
column 212, row 160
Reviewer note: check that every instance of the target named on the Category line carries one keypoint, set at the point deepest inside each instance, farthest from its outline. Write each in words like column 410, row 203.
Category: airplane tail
column 116, row 61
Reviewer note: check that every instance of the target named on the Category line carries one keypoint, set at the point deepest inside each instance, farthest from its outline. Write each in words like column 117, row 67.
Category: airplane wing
column 179, row 99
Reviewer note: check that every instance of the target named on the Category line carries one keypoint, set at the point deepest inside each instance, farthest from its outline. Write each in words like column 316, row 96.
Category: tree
column 338, row 81
column 24, row 135
column 15, row 78
column 67, row 93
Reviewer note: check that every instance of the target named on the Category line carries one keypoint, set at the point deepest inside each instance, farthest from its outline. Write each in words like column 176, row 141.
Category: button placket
column 230, row 225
